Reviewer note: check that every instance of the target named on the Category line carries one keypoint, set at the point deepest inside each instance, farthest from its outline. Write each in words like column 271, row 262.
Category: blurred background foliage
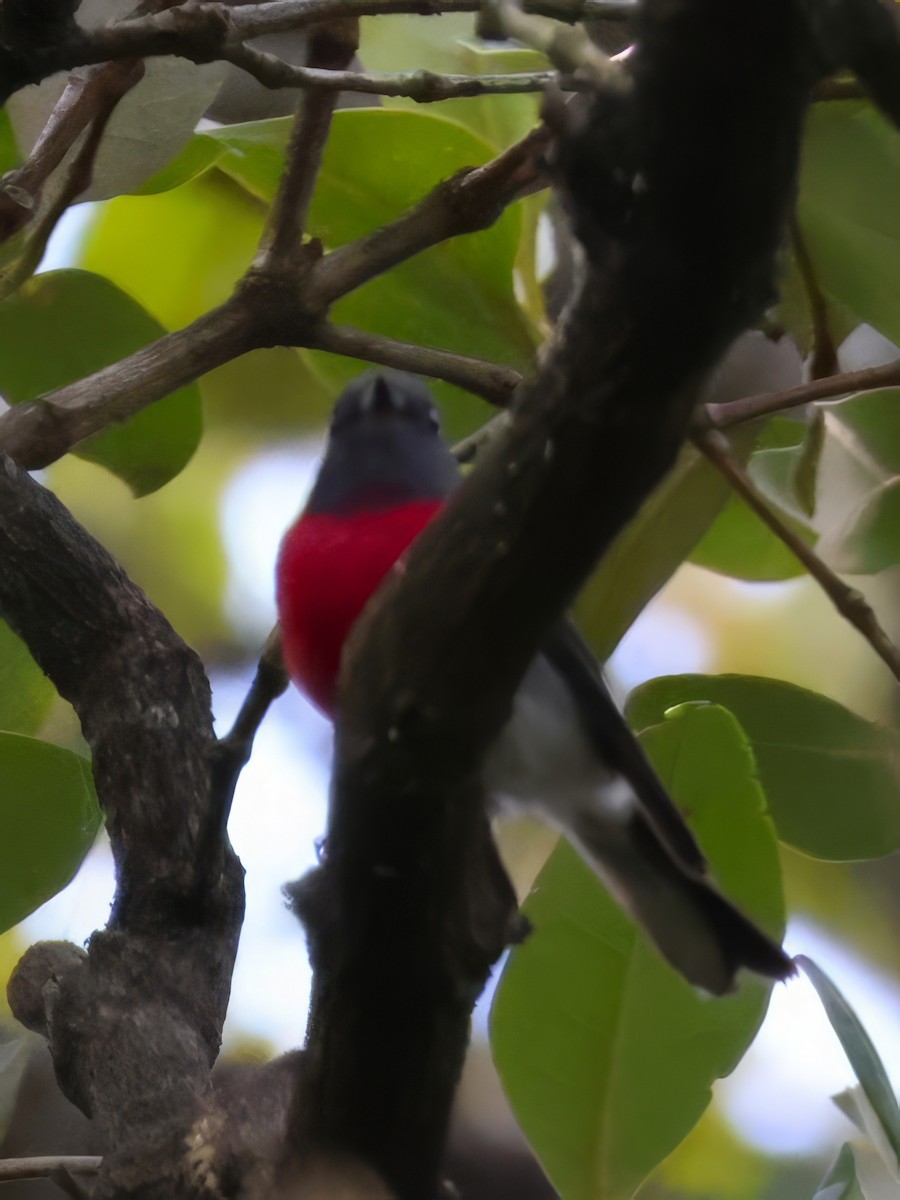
column 192, row 496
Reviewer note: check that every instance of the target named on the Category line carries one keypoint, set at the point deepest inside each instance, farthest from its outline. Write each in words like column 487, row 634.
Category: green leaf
column 25, row 691
column 649, row 550
column 830, row 777
column 449, row 45
column 848, row 212
column 48, row 819
column 739, row 544
column 196, row 157
column 606, row 1053
column 869, row 540
column 841, row 1182
column 9, row 152
column 871, row 421
column 64, row 325
column 457, row 295
column 857, row 1045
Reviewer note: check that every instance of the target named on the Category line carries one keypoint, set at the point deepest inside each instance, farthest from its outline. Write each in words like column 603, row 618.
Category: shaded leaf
column 200, row 153
column 864, row 1059
column 606, row 1053
column 649, row 550
column 830, row 777
column 869, row 540
column 62, row 326
column 806, row 470
column 847, row 207
column 48, row 819
column 841, row 1182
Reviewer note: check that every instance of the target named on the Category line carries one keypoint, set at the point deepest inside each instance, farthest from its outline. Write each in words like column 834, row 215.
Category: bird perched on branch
column 566, row 752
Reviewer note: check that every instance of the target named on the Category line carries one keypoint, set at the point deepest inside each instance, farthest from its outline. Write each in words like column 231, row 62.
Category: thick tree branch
column 679, row 197
column 134, row 1025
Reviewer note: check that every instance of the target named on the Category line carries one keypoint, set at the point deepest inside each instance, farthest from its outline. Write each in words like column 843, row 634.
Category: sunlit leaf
column 864, row 1059
column 830, row 777
column 48, row 818
column 64, row 325
column 606, row 1053
column 25, row 691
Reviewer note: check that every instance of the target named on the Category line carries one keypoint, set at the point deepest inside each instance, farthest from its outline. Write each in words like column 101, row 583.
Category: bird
column 566, row 753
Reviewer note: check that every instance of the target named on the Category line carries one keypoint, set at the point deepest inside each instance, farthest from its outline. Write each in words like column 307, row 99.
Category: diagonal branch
column 749, row 408
column 849, row 601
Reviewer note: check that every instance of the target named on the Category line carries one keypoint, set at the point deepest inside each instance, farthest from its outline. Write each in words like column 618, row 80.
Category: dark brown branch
column 88, row 97
column 848, row 601
column 331, row 48
column 134, row 1025
column 271, row 306
column 749, row 408
column 41, row 1168
column 409, row 909
column 491, row 381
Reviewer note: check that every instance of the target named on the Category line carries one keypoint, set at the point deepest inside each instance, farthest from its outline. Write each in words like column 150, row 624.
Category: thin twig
column 233, row 750
column 465, row 203
column 823, row 360
column 748, row 408
column 492, row 381
column 332, row 47
column 849, row 602
column 40, row 1168
column 569, row 49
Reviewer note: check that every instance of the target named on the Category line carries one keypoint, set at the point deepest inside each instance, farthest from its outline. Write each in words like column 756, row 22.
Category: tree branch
column 409, row 909
column 271, row 306
column 42, row 1168
column 749, row 408
column 135, row 1024
column 492, row 381
column 849, row 601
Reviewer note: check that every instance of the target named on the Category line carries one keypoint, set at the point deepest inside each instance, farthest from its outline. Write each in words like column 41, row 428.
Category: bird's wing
column 615, row 744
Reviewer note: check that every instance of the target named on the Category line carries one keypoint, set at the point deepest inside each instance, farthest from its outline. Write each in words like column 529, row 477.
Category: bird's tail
column 695, row 928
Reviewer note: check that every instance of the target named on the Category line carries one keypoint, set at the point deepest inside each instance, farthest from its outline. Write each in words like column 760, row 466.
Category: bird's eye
column 434, row 419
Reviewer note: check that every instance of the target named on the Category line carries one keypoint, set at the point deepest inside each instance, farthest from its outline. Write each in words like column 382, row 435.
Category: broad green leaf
column 831, row 778
column 606, row 1053
column 195, row 243
column 739, row 543
column 857, row 1045
column 64, row 325
column 25, row 691
column 447, row 44
column 841, row 1182
column 457, row 295
column 650, row 549
column 869, row 540
column 848, row 212
column 200, row 153
column 872, row 421
column 48, row 818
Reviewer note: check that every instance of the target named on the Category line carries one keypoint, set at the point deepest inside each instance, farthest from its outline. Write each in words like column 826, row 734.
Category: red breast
column 329, row 567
